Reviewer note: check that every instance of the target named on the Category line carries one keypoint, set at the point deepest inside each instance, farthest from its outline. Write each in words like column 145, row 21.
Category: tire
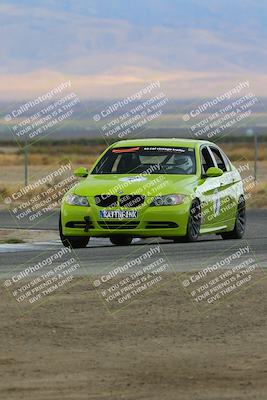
column 240, row 222
column 193, row 226
column 75, row 242
column 194, row 222
column 121, row 240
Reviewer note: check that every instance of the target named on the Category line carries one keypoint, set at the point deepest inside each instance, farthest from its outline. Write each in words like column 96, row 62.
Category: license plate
column 119, row 214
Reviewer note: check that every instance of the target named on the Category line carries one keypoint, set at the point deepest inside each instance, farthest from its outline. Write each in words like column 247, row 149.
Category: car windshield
column 147, row 159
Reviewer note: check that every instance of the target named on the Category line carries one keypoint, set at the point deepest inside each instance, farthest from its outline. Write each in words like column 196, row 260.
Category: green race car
column 170, row 188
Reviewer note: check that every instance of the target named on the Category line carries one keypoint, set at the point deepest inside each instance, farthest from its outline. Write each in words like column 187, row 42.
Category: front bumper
column 163, row 221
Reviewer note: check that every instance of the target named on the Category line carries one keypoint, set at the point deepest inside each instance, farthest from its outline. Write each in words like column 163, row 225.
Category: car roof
column 174, row 142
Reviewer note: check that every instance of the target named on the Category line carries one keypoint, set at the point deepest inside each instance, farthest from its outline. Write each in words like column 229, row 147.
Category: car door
column 226, row 191
column 209, row 192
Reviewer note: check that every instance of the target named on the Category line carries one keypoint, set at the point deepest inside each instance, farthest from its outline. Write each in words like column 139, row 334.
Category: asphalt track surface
column 100, row 253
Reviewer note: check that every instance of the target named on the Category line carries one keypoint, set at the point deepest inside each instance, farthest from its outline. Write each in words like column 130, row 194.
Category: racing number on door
column 217, row 203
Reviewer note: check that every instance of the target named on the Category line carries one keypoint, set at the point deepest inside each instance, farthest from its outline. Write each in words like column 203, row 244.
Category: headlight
column 168, row 200
column 75, row 200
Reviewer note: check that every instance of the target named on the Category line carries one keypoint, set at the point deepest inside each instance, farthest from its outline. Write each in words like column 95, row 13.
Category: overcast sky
column 108, row 48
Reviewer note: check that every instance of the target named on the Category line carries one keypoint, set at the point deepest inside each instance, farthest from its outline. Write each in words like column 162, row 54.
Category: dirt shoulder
column 158, row 348
column 27, row 235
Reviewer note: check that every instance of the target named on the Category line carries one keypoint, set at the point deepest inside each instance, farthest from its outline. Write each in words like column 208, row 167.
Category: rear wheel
column 240, row 222
column 121, row 240
column 74, row 242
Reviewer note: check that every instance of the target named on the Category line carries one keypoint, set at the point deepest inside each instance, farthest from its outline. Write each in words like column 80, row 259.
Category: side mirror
column 212, row 172
column 81, row 172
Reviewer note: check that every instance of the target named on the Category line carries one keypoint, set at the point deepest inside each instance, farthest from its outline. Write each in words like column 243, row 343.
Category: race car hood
column 148, row 185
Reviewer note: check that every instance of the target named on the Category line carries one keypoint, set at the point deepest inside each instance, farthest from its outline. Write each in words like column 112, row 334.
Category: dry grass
column 50, row 154
column 42, row 159
column 258, row 196
column 235, row 151
column 86, row 155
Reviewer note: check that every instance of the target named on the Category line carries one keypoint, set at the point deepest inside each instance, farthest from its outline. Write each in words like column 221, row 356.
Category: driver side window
column 206, row 160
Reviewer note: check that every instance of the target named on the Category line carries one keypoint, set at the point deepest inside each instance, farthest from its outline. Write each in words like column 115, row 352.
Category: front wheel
column 121, row 240
column 240, row 222
column 194, row 223
column 75, row 242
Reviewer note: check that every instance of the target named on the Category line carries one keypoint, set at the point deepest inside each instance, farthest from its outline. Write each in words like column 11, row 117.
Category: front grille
column 132, row 200
column 106, row 200
column 118, row 224
column 161, row 225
